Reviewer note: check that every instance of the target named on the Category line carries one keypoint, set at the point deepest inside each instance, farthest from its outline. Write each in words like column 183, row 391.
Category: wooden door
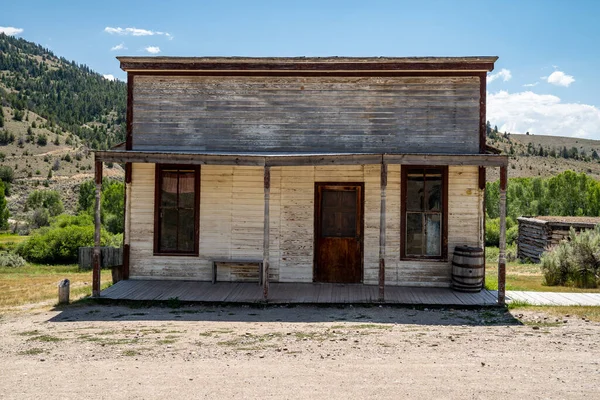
column 338, row 232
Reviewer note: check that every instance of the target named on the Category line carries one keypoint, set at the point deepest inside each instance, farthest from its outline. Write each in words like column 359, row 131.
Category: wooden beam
column 265, row 275
column 482, row 160
column 382, row 223
column 324, row 159
column 97, row 222
column 502, row 256
column 129, row 115
column 120, row 156
column 482, row 112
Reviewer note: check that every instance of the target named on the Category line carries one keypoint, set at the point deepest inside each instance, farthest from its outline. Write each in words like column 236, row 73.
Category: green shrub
column 40, row 218
column 64, row 220
column 6, row 174
column 575, row 261
column 47, row 199
column 12, row 260
column 42, row 140
column 512, row 234
column 56, row 245
column 492, row 231
column 492, row 253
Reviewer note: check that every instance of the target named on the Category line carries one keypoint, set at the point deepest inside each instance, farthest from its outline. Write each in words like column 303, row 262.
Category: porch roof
column 313, row 65
column 299, row 159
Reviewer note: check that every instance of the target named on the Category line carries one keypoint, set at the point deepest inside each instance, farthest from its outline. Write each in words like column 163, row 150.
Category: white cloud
column 531, row 84
column 10, row 30
column 559, row 78
column 120, row 46
column 135, row 32
column 152, row 49
column 503, row 73
column 110, row 77
column 542, row 114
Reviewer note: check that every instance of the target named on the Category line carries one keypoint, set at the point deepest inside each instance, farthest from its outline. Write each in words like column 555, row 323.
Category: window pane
column 434, row 235
column 330, row 223
column 186, row 189
column 186, row 230
column 414, row 233
column 434, row 193
column 168, row 229
column 168, row 194
column 414, row 192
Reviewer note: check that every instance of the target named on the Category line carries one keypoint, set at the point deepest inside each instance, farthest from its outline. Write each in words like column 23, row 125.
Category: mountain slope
column 539, row 155
column 69, row 96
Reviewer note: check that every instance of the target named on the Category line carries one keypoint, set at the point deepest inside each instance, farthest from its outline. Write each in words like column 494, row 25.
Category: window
column 176, row 214
column 424, row 212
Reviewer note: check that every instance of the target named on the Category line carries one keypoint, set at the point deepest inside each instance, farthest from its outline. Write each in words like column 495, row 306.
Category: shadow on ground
column 93, row 310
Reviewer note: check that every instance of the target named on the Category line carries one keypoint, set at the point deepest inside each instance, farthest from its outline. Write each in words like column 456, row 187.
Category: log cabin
column 541, row 233
column 335, row 170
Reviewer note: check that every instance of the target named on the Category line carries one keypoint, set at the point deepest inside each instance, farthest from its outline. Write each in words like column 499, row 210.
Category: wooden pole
column 502, row 256
column 127, row 222
column 96, row 267
column 265, row 274
column 382, row 222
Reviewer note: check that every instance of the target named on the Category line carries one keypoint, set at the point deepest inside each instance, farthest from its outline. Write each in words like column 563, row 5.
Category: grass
column 9, row 241
column 45, row 338
column 32, row 352
column 525, row 276
column 37, row 283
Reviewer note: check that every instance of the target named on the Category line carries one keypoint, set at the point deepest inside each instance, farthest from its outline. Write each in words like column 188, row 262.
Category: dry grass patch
column 38, row 283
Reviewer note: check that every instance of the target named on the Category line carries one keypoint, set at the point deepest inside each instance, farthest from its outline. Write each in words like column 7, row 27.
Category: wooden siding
column 537, row 235
column 231, row 223
column 306, row 114
column 465, row 207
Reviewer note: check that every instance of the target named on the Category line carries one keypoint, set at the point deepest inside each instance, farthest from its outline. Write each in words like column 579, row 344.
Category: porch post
column 502, row 256
column 265, row 271
column 127, row 222
column 97, row 223
column 382, row 222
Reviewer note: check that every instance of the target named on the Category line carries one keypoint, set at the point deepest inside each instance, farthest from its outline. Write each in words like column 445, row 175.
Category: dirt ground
column 124, row 352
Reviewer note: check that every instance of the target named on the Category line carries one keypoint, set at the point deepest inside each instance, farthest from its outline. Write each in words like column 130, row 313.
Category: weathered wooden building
column 325, row 170
column 538, row 234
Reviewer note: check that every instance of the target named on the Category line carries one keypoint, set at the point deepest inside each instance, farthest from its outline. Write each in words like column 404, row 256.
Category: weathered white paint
column 231, row 223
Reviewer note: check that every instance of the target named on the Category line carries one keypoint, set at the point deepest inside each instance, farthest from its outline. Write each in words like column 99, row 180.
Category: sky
column 545, row 81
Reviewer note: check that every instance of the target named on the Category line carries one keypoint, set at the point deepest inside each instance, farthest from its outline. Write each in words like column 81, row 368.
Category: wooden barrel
column 467, row 269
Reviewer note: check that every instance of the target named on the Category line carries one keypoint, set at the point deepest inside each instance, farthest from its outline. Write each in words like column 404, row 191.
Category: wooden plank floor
column 284, row 293
column 554, row 298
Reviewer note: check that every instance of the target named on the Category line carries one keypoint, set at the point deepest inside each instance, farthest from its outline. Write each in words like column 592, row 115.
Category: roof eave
column 309, row 64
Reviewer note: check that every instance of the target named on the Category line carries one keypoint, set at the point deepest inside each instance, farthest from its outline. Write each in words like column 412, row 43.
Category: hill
column 52, row 114
column 539, row 155
column 69, row 96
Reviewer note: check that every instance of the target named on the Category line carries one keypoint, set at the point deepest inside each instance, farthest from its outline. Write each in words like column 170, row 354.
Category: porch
column 382, row 272
column 292, row 293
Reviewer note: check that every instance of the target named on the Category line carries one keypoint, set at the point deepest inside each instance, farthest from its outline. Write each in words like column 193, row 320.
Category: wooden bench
column 216, row 261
